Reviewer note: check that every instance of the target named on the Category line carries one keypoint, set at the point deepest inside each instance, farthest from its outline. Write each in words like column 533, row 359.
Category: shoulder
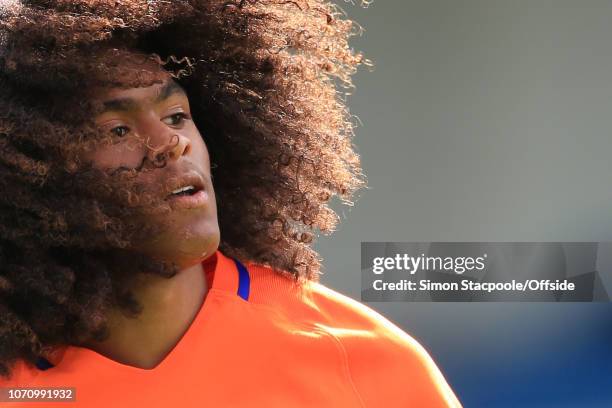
column 380, row 352
column 315, row 302
column 349, row 312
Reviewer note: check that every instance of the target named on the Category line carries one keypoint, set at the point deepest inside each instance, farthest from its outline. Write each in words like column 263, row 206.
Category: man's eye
column 118, row 131
column 178, row 118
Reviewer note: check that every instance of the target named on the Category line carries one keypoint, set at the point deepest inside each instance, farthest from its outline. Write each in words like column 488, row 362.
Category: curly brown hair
column 265, row 80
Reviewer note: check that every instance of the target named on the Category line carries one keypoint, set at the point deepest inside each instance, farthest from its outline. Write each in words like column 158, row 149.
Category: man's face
column 143, row 123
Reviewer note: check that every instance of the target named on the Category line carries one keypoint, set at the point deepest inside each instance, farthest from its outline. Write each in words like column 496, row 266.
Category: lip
column 191, row 178
column 199, row 199
column 183, row 179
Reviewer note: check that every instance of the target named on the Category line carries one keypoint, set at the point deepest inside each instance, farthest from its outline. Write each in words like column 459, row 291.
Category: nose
column 172, row 146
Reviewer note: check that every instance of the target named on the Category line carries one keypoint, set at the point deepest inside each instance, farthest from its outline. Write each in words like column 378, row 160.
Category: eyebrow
column 127, row 104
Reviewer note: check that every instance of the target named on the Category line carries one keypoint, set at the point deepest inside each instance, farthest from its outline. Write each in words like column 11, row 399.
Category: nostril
column 159, row 159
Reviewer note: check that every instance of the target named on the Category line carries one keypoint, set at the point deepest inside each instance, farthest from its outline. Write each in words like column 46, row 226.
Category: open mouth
column 190, row 196
column 185, row 191
column 189, row 184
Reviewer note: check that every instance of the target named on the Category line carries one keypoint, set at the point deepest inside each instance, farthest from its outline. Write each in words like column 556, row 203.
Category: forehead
column 131, row 98
column 128, row 99
column 153, row 93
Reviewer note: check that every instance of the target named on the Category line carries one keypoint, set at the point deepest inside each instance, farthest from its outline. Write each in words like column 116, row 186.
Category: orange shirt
column 259, row 340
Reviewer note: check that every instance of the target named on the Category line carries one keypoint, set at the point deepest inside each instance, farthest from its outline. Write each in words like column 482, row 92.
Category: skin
column 190, row 235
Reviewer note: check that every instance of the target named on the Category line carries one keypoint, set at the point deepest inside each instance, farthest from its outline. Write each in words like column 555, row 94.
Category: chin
column 185, row 250
column 202, row 250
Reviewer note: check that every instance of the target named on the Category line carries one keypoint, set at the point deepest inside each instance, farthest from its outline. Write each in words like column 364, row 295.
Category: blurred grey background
column 487, row 121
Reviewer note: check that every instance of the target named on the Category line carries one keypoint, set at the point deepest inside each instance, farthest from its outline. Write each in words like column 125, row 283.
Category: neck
column 169, row 308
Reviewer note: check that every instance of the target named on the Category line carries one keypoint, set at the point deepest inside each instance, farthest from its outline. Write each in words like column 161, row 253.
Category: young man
column 155, row 226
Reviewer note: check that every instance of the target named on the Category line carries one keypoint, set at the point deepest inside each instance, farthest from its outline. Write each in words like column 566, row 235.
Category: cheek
column 199, row 149
column 121, row 155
